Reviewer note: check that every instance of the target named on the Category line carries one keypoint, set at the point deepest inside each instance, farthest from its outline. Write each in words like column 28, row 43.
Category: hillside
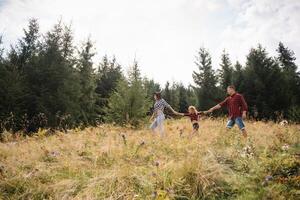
column 110, row 162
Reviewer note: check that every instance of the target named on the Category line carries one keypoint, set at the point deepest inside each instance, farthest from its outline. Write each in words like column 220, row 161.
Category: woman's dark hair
column 158, row 95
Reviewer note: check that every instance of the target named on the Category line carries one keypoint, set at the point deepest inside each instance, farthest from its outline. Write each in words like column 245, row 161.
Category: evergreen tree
column 137, row 100
column 238, row 76
column 129, row 103
column 191, row 96
column 171, row 94
column 108, row 75
column 262, row 84
column 12, row 93
column 88, row 96
column 166, row 92
column 226, row 71
column 27, row 47
column 287, row 59
column 183, row 98
column 58, row 87
column 291, row 82
column 150, row 86
column 26, row 56
column 15, row 75
column 205, row 80
column 174, row 94
column 117, row 108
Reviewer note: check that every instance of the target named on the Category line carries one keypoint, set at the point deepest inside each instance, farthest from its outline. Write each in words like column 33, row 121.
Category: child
column 193, row 114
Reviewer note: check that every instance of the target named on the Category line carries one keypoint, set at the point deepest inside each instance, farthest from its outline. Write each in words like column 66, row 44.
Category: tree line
column 49, row 82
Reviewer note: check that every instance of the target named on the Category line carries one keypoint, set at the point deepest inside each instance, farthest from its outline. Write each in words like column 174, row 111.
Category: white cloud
column 266, row 22
column 163, row 35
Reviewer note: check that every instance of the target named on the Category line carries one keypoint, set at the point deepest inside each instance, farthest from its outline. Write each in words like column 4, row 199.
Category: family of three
column 235, row 103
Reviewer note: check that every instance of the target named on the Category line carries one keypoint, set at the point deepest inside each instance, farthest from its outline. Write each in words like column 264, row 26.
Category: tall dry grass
column 111, row 162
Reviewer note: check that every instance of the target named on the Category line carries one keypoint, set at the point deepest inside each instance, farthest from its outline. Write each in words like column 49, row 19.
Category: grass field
column 110, row 162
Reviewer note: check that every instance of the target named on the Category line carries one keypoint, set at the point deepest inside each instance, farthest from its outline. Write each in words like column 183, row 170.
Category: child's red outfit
column 194, row 119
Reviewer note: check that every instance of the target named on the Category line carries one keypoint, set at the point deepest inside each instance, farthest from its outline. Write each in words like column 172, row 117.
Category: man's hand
column 244, row 116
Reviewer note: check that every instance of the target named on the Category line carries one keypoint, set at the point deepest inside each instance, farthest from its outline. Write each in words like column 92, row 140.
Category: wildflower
column 154, row 194
column 285, row 147
column 268, row 178
column 283, row 123
column 54, row 153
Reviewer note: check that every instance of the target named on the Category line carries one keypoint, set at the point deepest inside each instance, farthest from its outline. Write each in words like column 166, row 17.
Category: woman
column 158, row 113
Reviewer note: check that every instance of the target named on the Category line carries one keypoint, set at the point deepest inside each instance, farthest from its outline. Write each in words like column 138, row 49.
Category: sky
column 163, row 35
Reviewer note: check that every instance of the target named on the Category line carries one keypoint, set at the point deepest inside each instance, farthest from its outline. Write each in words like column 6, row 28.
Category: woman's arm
column 152, row 116
column 175, row 112
column 170, row 107
column 180, row 114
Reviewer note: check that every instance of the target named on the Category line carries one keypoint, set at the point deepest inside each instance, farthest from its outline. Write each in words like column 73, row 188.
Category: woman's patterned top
column 160, row 105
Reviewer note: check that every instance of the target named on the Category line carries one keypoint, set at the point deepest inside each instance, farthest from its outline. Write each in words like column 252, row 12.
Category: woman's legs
column 161, row 129
column 153, row 125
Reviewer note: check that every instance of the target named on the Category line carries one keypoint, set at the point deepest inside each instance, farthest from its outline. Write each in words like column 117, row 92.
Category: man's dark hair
column 158, row 95
column 232, row 87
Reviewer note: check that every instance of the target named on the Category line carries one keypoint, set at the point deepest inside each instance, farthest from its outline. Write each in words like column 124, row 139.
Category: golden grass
column 109, row 162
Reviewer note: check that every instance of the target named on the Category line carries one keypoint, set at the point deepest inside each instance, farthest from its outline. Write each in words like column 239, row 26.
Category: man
column 237, row 109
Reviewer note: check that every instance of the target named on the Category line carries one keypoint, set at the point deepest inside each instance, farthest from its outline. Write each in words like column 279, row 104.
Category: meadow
column 111, row 162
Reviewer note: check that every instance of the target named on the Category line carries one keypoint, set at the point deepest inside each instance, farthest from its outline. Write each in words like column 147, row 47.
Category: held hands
column 208, row 111
column 177, row 113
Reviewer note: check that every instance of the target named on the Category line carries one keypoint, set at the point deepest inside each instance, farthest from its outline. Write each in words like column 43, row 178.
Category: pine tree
column 287, row 59
column 87, row 79
column 205, row 80
column 12, row 93
column 137, row 100
column 291, row 81
column 16, row 70
column 57, row 79
column 117, row 107
column 174, row 96
column 150, row 86
column 129, row 103
column 192, row 96
column 27, row 47
column 183, row 98
column 107, row 77
column 166, row 92
column 262, row 88
column 26, row 56
column 226, row 71
column 238, row 76
column 171, row 94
